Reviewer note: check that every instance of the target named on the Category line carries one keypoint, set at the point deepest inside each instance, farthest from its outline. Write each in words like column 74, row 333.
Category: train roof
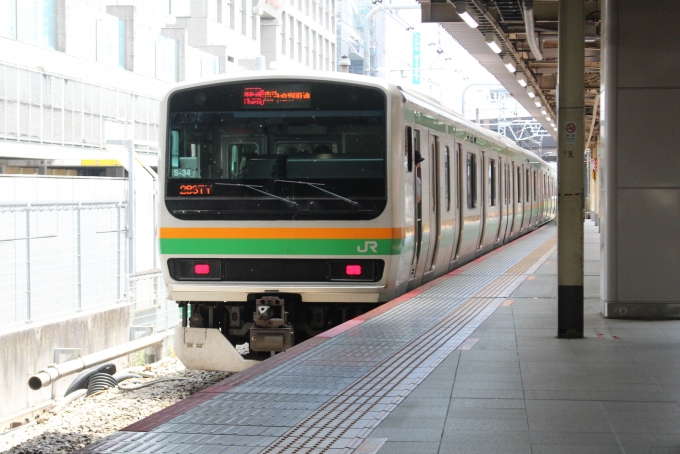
column 434, row 105
column 410, row 95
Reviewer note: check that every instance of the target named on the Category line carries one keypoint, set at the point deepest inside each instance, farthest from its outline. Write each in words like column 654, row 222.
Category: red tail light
column 353, row 270
column 201, row 268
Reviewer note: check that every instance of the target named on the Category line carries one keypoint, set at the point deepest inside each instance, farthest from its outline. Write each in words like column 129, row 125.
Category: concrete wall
column 640, row 208
column 25, row 352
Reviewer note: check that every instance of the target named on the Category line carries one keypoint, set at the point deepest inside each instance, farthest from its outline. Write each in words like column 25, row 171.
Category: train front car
column 275, row 220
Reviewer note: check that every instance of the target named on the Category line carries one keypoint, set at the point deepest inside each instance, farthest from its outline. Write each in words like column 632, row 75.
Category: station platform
column 468, row 363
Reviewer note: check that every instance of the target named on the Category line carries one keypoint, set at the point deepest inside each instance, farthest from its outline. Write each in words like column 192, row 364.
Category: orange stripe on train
column 281, row 233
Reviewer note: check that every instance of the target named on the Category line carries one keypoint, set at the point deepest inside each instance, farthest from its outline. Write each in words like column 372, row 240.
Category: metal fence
column 151, row 308
column 39, row 107
column 59, row 259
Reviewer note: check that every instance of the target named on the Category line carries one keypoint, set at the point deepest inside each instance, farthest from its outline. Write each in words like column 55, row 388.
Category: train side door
column 500, row 190
column 540, row 197
column 482, row 207
column 458, row 206
column 413, row 143
column 526, row 223
column 534, row 199
column 509, row 208
column 519, row 201
column 541, row 180
column 470, row 210
column 448, row 212
column 434, row 210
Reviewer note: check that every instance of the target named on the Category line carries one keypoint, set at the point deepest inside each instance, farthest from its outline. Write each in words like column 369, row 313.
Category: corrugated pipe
column 56, row 371
column 528, row 8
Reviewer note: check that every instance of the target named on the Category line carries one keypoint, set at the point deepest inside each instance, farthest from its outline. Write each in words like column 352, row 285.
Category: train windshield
column 277, row 150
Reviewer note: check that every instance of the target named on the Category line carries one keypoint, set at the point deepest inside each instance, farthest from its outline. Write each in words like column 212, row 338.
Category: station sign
column 570, row 134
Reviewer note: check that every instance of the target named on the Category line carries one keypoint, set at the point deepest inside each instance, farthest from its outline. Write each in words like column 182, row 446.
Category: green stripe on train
column 231, row 246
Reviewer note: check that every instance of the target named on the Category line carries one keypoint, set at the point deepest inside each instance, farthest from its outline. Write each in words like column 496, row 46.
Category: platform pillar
column 570, row 193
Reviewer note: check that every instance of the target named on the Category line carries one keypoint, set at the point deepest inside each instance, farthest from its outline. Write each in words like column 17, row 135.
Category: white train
column 290, row 204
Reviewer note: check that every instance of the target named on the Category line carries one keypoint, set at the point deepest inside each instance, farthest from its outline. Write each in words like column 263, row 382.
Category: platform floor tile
column 615, row 391
column 332, row 397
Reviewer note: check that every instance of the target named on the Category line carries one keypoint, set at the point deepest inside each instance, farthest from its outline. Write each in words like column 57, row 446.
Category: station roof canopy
column 504, row 23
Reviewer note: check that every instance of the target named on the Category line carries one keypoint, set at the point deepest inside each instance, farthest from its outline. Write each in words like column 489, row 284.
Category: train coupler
column 271, row 332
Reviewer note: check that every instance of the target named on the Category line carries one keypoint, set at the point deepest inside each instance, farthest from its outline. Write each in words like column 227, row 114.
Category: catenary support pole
column 129, row 144
column 570, row 170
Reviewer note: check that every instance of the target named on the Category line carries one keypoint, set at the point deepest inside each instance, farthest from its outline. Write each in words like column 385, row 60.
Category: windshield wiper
column 316, row 186
column 254, row 188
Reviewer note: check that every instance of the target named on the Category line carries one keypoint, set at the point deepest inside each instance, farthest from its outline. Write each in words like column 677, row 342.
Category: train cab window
column 257, row 159
column 408, row 151
column 471, row 181
column 492, row 182
column 447, row 176
column 526, row 185
column 519, row 185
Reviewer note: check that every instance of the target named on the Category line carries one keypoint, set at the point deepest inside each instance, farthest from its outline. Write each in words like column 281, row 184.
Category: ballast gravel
column 89, row 419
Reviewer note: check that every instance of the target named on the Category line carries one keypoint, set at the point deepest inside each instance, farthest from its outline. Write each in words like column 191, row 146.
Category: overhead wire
column 394, row 15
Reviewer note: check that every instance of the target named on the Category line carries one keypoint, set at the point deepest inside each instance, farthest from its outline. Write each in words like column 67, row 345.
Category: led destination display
column 283, row 96
column 195, row 189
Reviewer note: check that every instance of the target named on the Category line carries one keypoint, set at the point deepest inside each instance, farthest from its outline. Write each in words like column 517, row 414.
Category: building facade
column 350, row 35
column 75, row 74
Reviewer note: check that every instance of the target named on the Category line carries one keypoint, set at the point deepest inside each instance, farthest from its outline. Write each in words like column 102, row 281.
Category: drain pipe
column 528, row 9
column 56, row 371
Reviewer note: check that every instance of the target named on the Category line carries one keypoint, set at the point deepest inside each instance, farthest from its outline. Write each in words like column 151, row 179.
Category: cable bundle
column 100, row 382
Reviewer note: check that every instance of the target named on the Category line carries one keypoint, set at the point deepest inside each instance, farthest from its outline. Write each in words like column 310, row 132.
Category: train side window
column 526, row 185
column 434, row 181
column 471, row 181
column 492, row 182
column 447, row 176
column 508, row 186
column 519, row 185
column 459, row 180
column 534, row 185
column 505, row 184
column 408, row 142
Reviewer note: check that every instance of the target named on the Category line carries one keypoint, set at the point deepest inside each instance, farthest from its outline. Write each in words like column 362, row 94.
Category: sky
column 444, row 76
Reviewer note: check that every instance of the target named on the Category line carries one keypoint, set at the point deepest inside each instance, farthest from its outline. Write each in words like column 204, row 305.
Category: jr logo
column 372, row 245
